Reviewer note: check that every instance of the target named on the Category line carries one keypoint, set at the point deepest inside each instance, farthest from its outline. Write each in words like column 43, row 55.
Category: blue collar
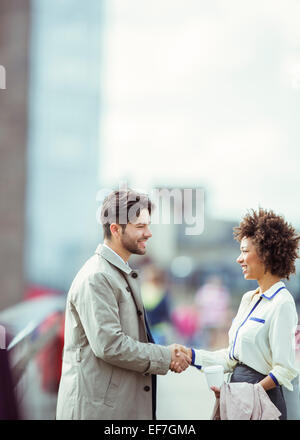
column 270, row 293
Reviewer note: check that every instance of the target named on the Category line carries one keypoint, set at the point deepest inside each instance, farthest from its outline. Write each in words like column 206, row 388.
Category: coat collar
column 112, row 258
column 273, row 290
column 132, row 276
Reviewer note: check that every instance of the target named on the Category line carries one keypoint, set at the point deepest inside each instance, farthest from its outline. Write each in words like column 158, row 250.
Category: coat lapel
column 132, row 276
column 134, row 284
column 133, row 280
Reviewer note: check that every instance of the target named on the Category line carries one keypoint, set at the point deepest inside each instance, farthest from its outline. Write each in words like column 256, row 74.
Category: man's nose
column 239, row 259
column 148, row 233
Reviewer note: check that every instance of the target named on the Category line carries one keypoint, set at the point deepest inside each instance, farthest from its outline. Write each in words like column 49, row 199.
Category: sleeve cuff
column 274, row 379
column 193, row 360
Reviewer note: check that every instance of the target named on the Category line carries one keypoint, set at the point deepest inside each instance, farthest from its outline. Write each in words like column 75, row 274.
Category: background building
column 14, row 47
column 63, row 143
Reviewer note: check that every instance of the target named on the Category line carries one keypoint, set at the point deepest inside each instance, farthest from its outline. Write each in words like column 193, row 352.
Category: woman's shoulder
column 285, row 297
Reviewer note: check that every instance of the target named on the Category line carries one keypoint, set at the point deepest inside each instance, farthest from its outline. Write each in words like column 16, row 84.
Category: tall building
column 63, row 144
column 14, row 42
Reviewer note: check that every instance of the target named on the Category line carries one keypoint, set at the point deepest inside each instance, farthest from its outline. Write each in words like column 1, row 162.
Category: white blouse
column 262, row 336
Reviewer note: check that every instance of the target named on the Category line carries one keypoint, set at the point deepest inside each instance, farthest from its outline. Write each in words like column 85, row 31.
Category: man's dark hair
column 123, row 207
column 275, row 240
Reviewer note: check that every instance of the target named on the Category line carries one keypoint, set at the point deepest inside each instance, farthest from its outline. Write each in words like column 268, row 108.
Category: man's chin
column 137, row 251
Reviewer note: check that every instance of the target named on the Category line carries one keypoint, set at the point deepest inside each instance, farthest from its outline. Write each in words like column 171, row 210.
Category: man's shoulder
column 95, row 269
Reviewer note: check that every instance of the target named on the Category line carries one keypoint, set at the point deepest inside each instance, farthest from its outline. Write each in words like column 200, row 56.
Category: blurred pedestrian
column 110, row 359
column 186, row 320
column 212, row 301
column 157, row 304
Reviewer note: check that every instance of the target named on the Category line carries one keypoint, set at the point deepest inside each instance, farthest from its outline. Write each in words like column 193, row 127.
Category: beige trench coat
column 107, row 361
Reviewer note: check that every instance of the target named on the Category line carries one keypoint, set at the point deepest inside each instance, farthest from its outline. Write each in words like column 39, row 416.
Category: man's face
column 136, row 234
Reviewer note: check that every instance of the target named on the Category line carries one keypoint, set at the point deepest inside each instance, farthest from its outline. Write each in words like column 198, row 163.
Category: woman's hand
column 267, row 383
column 216, row 391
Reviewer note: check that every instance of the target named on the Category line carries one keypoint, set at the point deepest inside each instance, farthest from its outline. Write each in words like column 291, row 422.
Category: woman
column 262, row 336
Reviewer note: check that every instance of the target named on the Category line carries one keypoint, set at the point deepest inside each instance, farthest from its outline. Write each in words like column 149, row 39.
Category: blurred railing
column 33, row 345
column 32, row 355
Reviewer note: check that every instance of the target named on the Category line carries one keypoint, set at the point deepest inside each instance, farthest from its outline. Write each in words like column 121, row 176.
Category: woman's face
column 252, row 267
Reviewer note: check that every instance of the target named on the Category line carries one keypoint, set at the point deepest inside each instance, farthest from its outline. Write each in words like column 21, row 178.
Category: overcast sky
column 207, row 94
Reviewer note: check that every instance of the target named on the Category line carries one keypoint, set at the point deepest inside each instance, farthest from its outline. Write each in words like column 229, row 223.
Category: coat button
column 146, row 388
column 139, row 313
column 127, row 288
column 134, row 275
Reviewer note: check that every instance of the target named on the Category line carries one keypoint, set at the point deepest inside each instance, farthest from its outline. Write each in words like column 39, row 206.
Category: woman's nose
column 239, row 259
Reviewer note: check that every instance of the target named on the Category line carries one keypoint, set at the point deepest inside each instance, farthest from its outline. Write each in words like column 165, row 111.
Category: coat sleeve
column 98, row 311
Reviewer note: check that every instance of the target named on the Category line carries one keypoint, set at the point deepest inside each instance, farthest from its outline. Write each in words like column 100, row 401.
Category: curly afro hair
column 276, row 241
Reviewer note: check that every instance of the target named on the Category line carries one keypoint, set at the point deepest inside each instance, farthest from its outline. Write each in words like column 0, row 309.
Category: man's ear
column 115, row 230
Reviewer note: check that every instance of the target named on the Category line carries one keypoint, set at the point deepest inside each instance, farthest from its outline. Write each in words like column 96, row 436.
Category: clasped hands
column 181, row 358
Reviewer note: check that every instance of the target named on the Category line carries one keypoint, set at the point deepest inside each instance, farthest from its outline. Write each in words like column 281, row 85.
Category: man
column 110, row 360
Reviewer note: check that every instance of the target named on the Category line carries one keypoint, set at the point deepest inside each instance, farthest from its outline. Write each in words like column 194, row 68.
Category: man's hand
column 181, row 358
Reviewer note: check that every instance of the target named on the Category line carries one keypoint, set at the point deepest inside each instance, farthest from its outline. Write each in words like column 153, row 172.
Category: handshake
column 181, row 358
